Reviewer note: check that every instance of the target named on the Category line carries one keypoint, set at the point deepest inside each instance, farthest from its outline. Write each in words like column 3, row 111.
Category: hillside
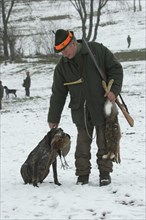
column 34, row 23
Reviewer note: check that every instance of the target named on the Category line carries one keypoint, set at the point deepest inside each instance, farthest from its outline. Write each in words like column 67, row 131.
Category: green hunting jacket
column 81, row 66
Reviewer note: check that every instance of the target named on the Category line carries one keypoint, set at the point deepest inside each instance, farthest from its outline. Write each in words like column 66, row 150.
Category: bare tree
column 6, row 12
column 139, row 5
column 134, row 6
column 12, row 42
column 88, row 10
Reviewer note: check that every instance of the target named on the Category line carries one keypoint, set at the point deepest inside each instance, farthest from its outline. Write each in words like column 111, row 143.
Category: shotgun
column 121, row 106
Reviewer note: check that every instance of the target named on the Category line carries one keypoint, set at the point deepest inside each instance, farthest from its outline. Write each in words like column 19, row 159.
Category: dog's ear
column 48, row 138
column 52, row 132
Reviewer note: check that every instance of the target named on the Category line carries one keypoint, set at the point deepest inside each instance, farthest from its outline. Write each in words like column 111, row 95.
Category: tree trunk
column 90, row 21
column 134, row 6
column 140, row 7
column 4, row 36
column 89, row 30
column 5, row 19
column 12, row 49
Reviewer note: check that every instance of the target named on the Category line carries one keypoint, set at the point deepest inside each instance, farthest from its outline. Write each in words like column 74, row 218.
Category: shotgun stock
column 125, row 113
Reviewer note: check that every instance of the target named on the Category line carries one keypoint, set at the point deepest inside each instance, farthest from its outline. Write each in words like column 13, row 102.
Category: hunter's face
column 70, row 51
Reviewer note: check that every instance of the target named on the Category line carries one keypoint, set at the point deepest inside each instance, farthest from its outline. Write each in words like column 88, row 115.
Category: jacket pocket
column 76, row 97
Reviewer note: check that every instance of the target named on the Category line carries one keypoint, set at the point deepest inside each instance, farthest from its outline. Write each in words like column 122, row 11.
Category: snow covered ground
column 24, row 124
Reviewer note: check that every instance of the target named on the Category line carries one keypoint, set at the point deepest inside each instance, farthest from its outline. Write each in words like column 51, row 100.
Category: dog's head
column 59, row 141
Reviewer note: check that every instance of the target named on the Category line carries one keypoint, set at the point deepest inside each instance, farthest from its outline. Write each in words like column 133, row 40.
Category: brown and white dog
column 37, row 166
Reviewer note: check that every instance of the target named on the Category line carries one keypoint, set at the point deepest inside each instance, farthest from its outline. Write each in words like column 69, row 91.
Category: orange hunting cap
column 62, row 39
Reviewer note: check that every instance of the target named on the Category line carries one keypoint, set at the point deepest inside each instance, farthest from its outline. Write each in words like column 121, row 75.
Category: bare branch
column 10, row 10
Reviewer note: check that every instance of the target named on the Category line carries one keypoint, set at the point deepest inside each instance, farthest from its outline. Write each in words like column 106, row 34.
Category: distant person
column 129, row 41
column 27, row 84
column 1, row 93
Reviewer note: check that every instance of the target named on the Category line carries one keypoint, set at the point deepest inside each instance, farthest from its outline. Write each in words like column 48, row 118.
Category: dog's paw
column 35, row 184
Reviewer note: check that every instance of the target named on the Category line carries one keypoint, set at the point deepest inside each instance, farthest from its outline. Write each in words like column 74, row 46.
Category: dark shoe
column 105, row 178
column 82, row 180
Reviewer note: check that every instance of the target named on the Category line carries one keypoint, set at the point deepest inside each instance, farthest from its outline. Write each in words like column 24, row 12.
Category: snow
column 24, row 124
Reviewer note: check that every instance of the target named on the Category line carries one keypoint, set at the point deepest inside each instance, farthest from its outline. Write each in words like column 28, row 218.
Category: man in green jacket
column 76, row 74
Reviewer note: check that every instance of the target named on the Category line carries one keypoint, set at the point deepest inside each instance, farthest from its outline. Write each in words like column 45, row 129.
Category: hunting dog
column 112, row 128
column 8, row 91
column 37, row 166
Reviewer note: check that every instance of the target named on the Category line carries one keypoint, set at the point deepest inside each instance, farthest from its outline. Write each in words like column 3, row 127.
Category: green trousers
column 83, row 150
